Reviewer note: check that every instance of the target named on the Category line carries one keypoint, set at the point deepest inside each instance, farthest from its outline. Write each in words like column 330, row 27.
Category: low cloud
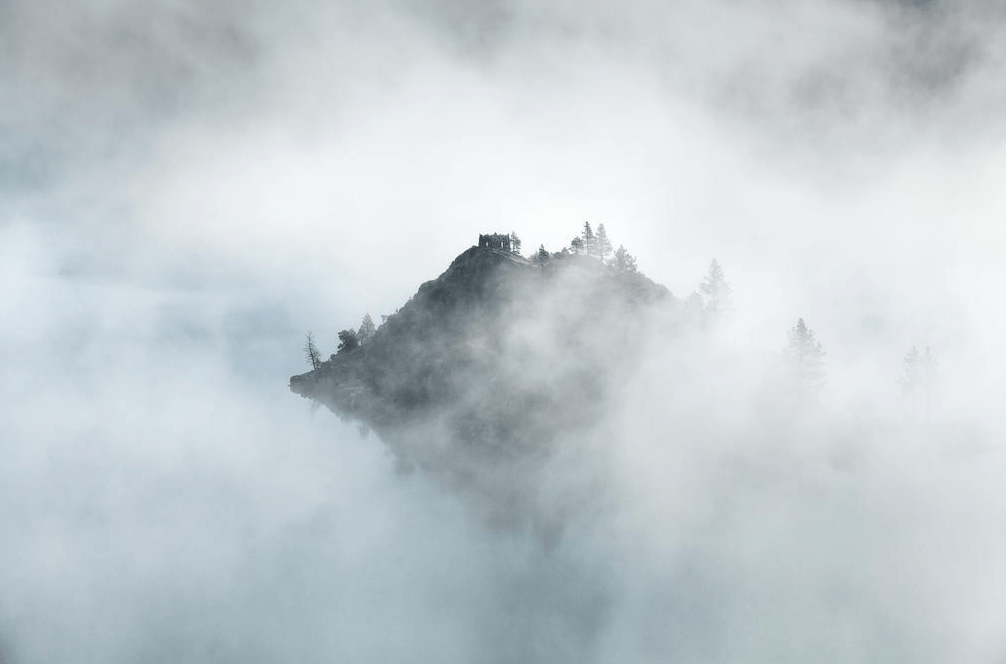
column 189, row 189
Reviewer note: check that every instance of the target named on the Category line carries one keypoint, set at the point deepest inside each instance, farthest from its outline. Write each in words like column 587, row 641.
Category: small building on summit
column 495, row 241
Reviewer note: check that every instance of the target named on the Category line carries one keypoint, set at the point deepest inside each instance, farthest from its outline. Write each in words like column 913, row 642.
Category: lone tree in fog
column 716, row 291
column 541, row 256
column 805, row 358
column 602, row 243
column 919, row 377
column 367, row 329
column 624, row 261
column 514, row 242
column 311, row 352
column 348, row 341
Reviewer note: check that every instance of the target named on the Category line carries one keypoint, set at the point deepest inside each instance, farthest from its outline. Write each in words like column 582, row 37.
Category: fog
column 188, row 188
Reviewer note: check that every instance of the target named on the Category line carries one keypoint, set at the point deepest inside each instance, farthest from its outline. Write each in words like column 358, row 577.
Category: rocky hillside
column 493, row 363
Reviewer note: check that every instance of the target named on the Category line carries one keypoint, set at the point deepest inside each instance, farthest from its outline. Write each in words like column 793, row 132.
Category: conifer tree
column 576, row 245
column 514, row 242
column 624, row 261
column 311, row 352
column 805, row 357
column 541, row 256
column 588, row 239
column 367, row 329
column 602, row 242
column 716, row 290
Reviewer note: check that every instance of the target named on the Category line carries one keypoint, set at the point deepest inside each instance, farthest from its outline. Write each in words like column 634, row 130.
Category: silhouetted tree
column 576, row 245
column 367, row 329
column 311, row 352
column 624, row 261
column 541, row 256
column 716, row 291
column 514, row 242
column 348, row 341
column 602, row 242
column 588, row 239
column 806, row 359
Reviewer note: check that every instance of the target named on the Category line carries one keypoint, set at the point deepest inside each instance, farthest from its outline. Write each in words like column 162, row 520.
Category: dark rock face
column 491, row 366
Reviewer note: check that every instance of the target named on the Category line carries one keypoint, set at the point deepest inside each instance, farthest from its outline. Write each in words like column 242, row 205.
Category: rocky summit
column 495, row 362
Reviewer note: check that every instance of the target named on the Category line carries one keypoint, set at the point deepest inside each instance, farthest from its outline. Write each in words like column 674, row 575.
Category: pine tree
column 602, row 242
column 367, row 329
column 541, row 256
column 576, row 245
column 588, row 239
column 311, row 352
column 716, row 291
column 806, row 359
column 624, row 261
column 514, row 242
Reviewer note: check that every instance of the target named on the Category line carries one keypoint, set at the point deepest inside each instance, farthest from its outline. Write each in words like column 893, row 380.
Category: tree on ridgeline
column 347, row 341
column 311, row 352
column 514, row 243
column 541, row 256
column 367, row 329
column 805, row 359
column 602, row 243
column 716, row 291
column 588, row 239
column 576, row 245
column 624, row 262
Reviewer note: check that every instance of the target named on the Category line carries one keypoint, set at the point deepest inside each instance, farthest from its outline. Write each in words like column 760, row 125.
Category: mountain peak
column 492, row 362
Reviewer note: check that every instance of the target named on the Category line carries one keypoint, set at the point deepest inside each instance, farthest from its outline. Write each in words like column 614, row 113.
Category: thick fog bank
column 166, row 501
column 188, row 188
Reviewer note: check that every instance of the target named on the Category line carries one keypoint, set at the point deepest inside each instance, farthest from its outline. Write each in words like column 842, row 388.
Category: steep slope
column 490, row 366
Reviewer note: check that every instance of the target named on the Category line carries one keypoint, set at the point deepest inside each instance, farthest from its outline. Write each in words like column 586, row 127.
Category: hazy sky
column 188, row 187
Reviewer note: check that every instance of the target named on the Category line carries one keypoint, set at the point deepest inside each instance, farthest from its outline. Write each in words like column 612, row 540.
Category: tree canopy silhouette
column 367, row 329
column 602, row 243
column 311, row 352
column 624, row 262
column 514, row 242
column 716, row 291
column 805, row 357
column 589, row 241
column 348, row 341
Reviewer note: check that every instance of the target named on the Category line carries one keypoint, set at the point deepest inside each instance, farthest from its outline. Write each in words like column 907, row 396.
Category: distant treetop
column 806, row 358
